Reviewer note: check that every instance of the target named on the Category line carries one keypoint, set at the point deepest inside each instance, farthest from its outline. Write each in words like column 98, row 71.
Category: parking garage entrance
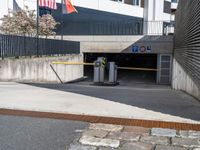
column 126, row 76
column 161, row 65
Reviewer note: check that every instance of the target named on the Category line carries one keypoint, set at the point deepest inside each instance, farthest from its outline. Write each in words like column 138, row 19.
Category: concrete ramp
column 17, row 96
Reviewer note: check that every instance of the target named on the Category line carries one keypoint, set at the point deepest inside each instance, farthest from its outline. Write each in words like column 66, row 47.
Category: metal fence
column 15, row 46
column 116, row 28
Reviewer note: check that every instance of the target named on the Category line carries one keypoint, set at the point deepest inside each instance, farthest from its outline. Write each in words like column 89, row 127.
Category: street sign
column 141, row 49
column 135, row 49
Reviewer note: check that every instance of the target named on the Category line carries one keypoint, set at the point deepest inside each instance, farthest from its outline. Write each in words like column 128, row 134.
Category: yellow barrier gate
column 73, row 63
column 139, row 69
column 92, row 64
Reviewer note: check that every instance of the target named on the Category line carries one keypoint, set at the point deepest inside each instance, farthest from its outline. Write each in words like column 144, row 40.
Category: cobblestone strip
column 115, row 137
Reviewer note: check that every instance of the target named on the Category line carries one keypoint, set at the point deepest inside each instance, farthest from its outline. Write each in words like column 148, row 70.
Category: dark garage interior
column 126, row 60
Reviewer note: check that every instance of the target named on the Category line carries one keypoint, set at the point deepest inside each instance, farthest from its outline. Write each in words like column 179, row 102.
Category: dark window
column 174, row 1
column 128, row 2
column 136, row 2
column 142, row 3
column 167, row 7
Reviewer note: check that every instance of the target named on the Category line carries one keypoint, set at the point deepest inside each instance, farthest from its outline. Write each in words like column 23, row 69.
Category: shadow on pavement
column 148, row 96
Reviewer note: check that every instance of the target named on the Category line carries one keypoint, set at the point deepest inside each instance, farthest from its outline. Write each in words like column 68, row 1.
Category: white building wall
column 182, row 81
column 154, row 16
column 102, row 5
column 152, row 13
column 110, row 6
column 5, row 6
column 39, row 70
column 174, row 5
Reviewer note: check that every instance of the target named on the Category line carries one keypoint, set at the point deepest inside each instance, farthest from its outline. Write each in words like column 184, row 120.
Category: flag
column 48, row 3
column 69, row 8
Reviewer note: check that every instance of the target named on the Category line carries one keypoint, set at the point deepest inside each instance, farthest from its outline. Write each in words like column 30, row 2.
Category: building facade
column 186, row 70
column 110, row 17
column 138, row 31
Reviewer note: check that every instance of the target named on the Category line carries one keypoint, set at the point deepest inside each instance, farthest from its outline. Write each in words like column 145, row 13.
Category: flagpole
column 62, row 21
column 37, row 34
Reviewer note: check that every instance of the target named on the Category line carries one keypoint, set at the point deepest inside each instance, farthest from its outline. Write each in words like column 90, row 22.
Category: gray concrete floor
column 26, row 133
column 149, row 96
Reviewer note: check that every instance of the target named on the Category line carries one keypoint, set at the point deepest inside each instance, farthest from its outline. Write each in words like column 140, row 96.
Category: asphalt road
column 149, row 96
column 27, row 133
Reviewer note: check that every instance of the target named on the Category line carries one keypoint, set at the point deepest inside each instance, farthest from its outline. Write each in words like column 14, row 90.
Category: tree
column 47, row 25
column 24, row 22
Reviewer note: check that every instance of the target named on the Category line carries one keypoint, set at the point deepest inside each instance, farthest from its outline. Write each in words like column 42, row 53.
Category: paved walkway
column 26, row 97
column 28, row 133
column 114, row 137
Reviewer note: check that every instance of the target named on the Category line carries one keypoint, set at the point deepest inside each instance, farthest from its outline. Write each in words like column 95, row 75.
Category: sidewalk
column 114, row 137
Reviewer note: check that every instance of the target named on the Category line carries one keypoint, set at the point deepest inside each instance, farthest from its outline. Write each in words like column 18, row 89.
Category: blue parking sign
column 135, row 49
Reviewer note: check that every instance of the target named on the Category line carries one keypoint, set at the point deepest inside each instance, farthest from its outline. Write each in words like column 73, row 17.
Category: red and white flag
column 48, row 3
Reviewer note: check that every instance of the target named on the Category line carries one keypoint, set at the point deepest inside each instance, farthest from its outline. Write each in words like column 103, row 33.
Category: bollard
column 97, row 66
column 112, row 72
column 102, row 69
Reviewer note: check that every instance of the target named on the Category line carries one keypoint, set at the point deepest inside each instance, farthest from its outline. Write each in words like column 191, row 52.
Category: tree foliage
column 47, row 25
column 24, row 22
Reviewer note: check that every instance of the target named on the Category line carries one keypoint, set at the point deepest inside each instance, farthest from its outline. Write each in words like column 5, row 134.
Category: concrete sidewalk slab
column 25, row 97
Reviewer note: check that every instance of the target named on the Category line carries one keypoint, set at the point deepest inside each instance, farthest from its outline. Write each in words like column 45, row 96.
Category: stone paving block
column 163, row 132
column 186, row 142
column 196, row 149
column 81, row 147
column 106, row 127
column 155, row 140
column 136, row 146
column 164, row 147
column 189, row 134
column 96, row 133
column 88, row 140
column 127, row 136
column 137, row 130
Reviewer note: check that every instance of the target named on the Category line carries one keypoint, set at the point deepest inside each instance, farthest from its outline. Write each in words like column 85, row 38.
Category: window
column 131, row 2
column 174, row 1
column 167, row 7
column 119, row 1
column 136, row 2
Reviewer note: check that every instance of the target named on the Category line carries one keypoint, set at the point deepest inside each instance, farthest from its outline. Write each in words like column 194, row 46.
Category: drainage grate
column 106, row 120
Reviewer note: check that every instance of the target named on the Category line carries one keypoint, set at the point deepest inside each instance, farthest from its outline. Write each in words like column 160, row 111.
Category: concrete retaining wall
column 122, row 44
column 39, row 70
column 182, row 81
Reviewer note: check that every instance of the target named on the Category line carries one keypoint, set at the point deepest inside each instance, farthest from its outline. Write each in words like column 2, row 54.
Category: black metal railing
column 16, row 46
column 116, row 28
